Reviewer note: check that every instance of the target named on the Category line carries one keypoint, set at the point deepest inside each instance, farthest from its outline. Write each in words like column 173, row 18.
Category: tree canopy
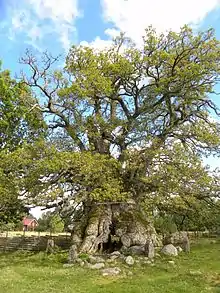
column 125, row 124
column 20, row 123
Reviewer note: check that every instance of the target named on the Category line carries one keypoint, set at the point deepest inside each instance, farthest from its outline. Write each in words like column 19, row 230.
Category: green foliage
column 21, row 120
column 165, row 225
column 200, row 217
column 20, row 123
column 126, row 123
column 50, row 222
column 7, row 226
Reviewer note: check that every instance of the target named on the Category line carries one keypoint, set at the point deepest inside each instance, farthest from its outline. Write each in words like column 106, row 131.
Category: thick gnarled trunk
column 115, row 225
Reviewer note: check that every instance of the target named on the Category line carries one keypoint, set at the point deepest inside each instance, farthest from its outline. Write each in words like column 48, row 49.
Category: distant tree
column 20, row 123
column 50, row 222
column 165, row 224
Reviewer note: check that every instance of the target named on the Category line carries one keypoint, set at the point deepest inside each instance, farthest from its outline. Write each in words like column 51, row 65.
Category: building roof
column 27, row 221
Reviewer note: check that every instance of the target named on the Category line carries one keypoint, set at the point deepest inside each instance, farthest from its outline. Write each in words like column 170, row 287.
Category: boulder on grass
column 111, row 271
column 96, row 266
column 129, row 260
column 73, row 254
column 169, row 249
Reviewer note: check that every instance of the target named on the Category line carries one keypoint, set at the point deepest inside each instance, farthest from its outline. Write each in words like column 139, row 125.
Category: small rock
column 110, row 260
column 186, row 244
column 147, row 262
column 126, row 240
column 80, row 262
column 179, row 249
column 136, row 250
column 117, row 253
column 149, row 249
column 129, row 260
column 73, row 254
column 50, row 246
column 171, row 262
column 114, row 257
column 124, row 250
column 195, row 273
column 68, row 265
column 169, row 249
column 96, row 266
column 95, row 259
column 111, row 271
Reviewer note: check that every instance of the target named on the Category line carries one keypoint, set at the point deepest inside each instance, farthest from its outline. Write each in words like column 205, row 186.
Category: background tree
column 50, row 222
column 134, row 123
column 20, row 122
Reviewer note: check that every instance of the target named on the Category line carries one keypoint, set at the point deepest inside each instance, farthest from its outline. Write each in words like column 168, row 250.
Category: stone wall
column 33, row 243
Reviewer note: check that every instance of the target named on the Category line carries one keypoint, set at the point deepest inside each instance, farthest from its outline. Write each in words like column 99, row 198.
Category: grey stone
column 136, row 250
column 126, row 240
column 148, row 262
column 169, row 249
column 50, row 246
column 111, row 271
column 186, row 244
column 80, row 262
column 195, row 273
column 73, row 254
column 149, row 249
column 68, row 265
column 110, row 260
column 95, row 259
column 171, row 262
column 179, row 249
column 114, row 255
column 96, row 266
column 117, row 253
column 124, row 250
column 129, row 260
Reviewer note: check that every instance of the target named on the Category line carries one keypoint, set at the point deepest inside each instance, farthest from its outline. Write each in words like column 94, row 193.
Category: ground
column 196, row 272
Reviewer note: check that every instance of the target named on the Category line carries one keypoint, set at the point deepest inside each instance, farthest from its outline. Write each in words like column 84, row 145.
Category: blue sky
column 55, row 25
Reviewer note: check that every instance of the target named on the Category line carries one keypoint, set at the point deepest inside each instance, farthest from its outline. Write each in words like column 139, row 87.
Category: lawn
column 196, row 272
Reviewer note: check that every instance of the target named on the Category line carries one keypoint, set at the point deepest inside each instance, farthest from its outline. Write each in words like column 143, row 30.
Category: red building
column 29, row 224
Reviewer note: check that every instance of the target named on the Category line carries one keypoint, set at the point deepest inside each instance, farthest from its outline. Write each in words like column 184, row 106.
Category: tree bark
column 105, row 227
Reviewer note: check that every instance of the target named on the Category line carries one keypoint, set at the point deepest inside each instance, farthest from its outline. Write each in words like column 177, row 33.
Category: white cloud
column 97, row 43
column 57, row 10
column 39, row 18
column 100, row 44
column 133, row 16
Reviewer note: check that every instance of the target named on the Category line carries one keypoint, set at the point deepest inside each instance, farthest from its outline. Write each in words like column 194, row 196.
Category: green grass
column 33, row 273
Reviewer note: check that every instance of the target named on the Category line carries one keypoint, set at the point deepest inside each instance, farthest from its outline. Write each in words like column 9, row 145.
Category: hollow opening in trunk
column 114, row 242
